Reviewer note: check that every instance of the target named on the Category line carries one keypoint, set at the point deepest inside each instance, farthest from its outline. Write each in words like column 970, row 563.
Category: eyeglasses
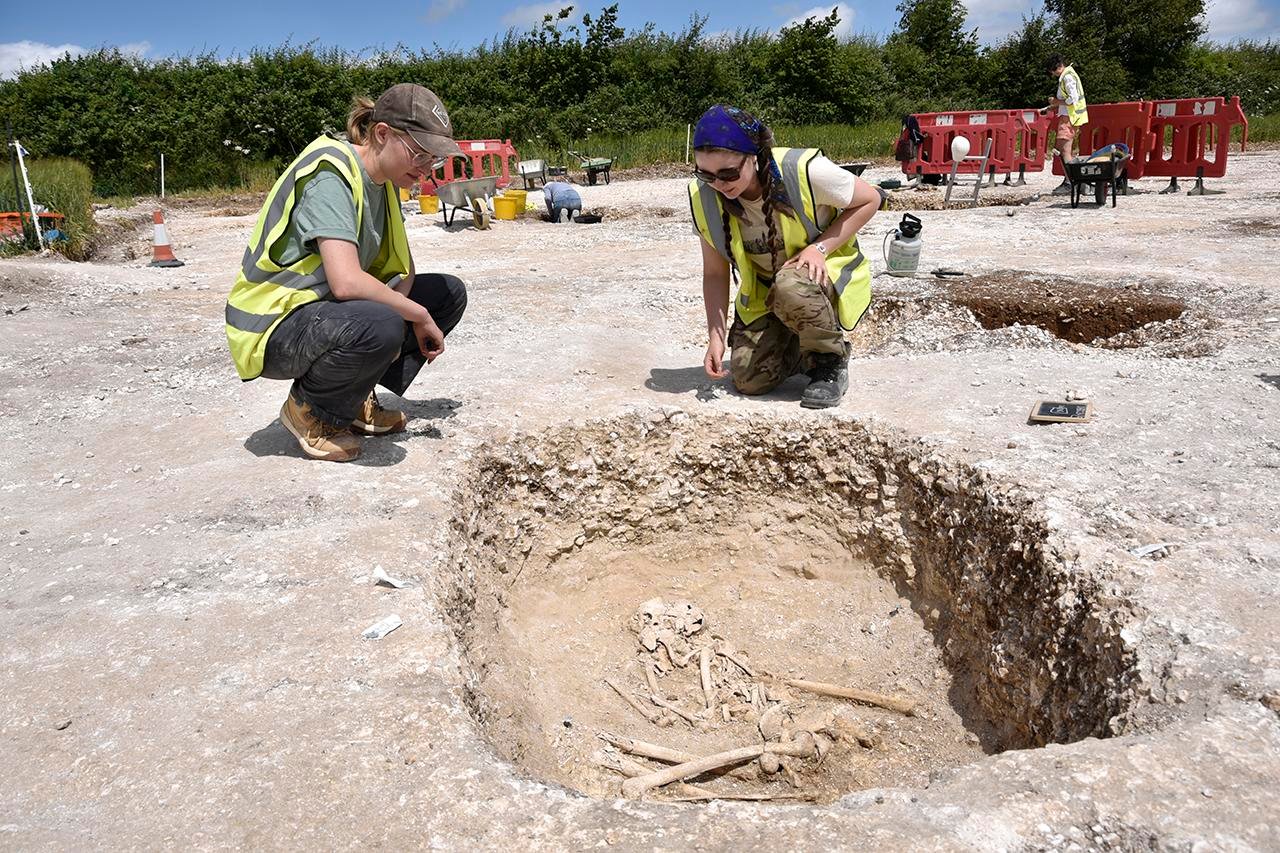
column 422, row 159
column 724, row 176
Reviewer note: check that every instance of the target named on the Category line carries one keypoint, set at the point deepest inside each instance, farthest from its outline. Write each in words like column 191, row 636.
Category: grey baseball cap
column 418, row 112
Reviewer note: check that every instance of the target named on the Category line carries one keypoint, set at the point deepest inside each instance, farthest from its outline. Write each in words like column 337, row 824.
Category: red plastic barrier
column 1127, row 122
column 488, row 157
column 11, row 222
column 1190, row 137
column 934, row 155
column 1029, row 142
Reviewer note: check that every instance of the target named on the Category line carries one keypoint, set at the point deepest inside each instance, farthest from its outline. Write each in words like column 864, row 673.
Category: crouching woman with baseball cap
column 327, row 294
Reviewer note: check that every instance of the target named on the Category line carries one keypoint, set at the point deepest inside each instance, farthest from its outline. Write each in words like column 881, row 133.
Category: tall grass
column 667, row 145
column 65, row 186
column 1262, row 129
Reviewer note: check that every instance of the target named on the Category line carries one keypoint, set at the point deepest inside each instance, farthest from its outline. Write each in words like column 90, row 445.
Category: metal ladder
column 979, row 182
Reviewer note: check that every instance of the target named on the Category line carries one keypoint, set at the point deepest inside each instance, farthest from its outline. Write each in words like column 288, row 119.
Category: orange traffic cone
column 161, row 252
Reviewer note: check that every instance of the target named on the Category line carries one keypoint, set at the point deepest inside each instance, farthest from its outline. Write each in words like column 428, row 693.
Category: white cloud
column 136, row 48
column 1240, row 19
column 438, row 10
column 18, row 55
column 844, row 29
column 995, row 19
column 533, row 13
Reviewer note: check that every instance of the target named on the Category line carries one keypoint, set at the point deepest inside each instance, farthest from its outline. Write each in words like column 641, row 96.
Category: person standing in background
column 1073, row 111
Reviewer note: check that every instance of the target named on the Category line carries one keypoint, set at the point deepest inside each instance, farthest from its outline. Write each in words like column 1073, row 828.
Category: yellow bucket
column 504, row 207
column 428, row 203
column 404, row 194
column 519, row 195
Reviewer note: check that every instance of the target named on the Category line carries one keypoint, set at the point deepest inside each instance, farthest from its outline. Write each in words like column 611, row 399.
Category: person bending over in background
column 785, row 220
column 327, row 294
column 563, row 201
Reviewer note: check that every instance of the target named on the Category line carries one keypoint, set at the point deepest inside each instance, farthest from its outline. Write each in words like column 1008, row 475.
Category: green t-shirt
column 326, row 207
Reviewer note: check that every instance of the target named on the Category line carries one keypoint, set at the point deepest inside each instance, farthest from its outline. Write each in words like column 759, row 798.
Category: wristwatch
column 820, row 246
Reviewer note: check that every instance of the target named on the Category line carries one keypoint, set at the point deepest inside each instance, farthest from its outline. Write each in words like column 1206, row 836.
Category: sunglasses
column 422, row 159
column 724, row 176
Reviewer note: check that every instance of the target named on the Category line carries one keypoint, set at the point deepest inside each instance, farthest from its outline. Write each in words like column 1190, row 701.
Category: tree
column 1018, row 74
column 807, row 82
column 1122, row 46
column 931, row 54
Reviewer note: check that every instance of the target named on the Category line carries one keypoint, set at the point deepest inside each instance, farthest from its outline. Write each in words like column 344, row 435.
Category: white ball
column 959, row 148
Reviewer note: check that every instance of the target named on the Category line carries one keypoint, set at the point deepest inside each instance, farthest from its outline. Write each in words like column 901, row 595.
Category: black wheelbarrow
column 1106, row 167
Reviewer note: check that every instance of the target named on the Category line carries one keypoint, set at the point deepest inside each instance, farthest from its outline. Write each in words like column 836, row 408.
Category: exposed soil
column 1067, row 309
column 1033, row 310
column 1254, row 227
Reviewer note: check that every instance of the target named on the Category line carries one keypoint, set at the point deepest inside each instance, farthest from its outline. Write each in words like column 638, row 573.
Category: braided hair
column 774, row 192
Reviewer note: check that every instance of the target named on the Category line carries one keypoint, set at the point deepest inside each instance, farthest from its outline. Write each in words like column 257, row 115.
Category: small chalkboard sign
column 1052, row 411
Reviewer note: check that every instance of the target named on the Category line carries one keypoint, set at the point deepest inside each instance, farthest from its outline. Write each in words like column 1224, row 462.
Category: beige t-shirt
column 832, row 188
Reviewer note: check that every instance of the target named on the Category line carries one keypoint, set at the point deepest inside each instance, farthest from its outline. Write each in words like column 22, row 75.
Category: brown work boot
column 318, row 439
column 375, row 420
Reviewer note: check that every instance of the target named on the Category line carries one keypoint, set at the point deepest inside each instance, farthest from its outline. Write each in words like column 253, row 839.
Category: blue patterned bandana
column 727, row 127
column 733, row 129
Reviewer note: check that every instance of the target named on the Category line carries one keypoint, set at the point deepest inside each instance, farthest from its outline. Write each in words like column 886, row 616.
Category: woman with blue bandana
column 785, row 221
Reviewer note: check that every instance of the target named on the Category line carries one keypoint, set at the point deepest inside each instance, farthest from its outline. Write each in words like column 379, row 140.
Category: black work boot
column 829, row 379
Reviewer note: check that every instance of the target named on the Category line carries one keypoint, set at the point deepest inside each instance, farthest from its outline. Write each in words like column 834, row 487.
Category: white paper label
column 945, row 121
column 1166, row 109
column 978, row 118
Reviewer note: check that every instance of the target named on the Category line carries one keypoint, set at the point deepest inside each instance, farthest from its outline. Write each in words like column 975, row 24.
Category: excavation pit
column 1070, row 310
column 809, row 552
column 1024, row 309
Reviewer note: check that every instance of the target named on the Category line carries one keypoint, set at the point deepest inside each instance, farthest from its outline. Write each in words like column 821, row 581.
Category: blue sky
column 153, row 29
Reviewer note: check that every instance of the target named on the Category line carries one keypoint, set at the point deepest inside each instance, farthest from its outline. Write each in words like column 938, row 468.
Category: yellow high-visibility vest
column 265, row 292
column 1077, row 113
column 848, row 269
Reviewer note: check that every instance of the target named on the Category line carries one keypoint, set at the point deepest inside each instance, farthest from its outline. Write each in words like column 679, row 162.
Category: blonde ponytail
column 358, row 120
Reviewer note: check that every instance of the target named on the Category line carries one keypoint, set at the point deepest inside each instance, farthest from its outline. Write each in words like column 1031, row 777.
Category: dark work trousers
column 335, row 352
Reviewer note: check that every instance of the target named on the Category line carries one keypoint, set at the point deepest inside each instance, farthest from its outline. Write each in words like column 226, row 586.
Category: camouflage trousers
column 802, row 321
